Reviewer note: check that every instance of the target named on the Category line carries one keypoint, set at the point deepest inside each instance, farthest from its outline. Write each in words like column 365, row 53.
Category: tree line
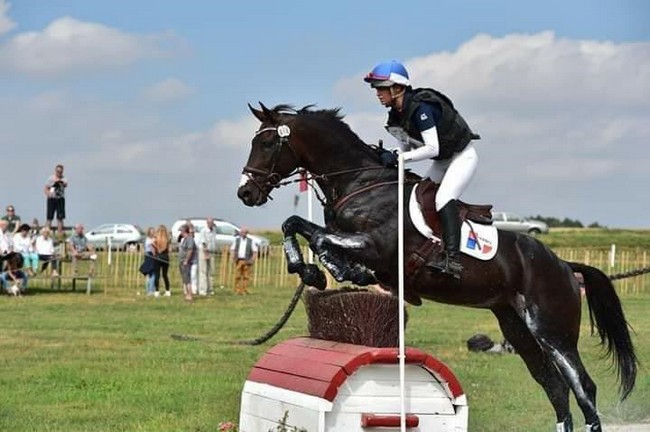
column 554, row 222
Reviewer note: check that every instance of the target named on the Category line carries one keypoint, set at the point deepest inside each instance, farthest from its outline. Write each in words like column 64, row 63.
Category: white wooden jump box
column 319, row 386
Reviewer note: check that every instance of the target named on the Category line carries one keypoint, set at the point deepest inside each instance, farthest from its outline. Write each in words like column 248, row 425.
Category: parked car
column 226, row 232
column 121, row 236
column 513, row 222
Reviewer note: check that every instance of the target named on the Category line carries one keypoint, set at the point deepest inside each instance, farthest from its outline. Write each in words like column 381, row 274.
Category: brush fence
column 316, row 385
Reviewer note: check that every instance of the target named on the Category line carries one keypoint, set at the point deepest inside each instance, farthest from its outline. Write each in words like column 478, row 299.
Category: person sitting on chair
column 80, row 249
column 24, row 245
column 428, row 126
column 13, row 279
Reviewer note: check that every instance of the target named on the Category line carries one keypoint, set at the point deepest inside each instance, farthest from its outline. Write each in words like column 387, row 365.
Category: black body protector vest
column 453, row 132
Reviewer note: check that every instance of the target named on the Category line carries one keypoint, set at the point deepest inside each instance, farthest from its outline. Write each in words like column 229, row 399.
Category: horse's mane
column 333, row 117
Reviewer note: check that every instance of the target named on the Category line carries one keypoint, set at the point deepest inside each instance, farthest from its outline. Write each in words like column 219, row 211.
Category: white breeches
column 453, row 174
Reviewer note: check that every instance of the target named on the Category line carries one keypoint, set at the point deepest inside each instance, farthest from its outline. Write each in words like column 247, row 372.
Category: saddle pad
column 476, row 240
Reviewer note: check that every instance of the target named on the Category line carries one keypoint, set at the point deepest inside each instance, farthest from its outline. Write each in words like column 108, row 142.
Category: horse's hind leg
column 538, row 363
column 567, row 359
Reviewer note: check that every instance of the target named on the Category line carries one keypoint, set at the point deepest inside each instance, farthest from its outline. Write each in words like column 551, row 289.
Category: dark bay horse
column 533, row 294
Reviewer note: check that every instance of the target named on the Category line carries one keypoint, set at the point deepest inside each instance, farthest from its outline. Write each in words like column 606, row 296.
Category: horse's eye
column 268, row 144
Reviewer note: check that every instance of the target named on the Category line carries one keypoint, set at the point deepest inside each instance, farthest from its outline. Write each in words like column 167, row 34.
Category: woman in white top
column 24, row 245
column 44, row 247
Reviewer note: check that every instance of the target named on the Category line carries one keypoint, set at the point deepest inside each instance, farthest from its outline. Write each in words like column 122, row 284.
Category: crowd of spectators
column 27, row 250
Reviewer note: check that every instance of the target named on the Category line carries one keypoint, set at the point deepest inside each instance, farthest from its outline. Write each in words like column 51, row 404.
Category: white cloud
column 167, row 90
column 6, row 23
column 68, row 46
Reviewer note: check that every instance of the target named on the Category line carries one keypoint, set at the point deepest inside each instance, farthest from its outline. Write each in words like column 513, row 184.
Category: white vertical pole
column 612, row 256
column 310, row 215
column 110, row 250
column 400, row 272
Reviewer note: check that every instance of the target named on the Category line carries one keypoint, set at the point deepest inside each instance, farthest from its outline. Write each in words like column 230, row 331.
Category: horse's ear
column 268, row 114
column 257, row 113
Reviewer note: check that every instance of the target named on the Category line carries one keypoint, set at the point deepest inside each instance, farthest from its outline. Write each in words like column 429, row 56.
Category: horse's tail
column 606, row 311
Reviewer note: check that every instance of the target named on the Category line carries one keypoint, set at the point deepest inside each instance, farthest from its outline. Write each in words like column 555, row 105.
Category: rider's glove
column 389, row 159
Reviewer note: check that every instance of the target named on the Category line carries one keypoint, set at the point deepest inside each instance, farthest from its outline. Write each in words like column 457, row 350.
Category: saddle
column 426, row 197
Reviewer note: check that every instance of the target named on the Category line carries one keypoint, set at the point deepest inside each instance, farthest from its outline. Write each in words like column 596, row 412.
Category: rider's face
column 385, row 97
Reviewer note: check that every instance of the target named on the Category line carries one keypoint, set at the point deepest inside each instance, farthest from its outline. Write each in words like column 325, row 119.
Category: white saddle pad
column 476, row 240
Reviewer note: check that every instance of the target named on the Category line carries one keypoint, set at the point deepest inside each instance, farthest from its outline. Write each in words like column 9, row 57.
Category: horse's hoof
column 295, row 268
column 594, row 427
column 565, row 426
column 313, row 276
column 364, row 279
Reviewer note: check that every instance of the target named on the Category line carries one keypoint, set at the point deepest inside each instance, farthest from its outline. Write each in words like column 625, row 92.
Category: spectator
column 44, row 247
column 13, row 220
column 81, row 250
column 13, row 279
column 24, row 245
column 6, row 241
column 244, row 253
column 34, row 229
column 148, row 266
column 55, row 193
column 207, row 251
column 186, row 255
column 161, row 262
column 194, row 264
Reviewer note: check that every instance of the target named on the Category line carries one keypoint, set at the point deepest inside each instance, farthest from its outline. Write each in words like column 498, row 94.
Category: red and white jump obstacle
column 320, row 386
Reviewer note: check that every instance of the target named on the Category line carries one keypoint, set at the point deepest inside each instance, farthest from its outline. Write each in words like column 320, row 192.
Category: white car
column 226, row 232
column 513, row 222
column 120, row 236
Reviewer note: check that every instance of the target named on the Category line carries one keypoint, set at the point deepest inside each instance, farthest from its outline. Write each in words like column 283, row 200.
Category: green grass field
column 107, row 362
column 73, row 362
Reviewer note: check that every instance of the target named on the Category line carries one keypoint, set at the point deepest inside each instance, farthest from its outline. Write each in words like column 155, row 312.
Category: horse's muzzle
column 251, row 195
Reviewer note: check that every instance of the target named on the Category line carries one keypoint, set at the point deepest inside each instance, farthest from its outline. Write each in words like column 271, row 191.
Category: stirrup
column 447, row 265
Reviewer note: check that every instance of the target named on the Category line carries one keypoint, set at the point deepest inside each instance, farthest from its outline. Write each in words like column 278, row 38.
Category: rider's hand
column 389, row 159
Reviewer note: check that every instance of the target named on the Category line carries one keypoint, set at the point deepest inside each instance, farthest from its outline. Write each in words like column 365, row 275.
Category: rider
column 428, row 126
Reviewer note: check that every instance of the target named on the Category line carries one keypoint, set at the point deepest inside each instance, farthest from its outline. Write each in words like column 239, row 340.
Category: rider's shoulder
column 431, row 96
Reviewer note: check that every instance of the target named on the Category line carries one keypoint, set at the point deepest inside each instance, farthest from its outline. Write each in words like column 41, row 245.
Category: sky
column 145, row 103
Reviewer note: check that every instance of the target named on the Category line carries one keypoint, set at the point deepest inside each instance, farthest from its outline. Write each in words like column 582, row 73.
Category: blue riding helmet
column 388, row 74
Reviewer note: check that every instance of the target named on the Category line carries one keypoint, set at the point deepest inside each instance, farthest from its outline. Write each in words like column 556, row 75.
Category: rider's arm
column 425, row 118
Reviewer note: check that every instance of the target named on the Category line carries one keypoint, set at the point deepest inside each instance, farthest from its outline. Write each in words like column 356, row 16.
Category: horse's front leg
column 331, row 250
column 309, row 273
column 335, row 252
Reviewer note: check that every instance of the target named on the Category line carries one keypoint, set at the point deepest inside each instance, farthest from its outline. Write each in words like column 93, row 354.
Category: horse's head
column 272, row 157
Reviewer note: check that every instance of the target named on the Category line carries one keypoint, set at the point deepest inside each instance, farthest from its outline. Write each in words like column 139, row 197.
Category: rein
column 273, row 179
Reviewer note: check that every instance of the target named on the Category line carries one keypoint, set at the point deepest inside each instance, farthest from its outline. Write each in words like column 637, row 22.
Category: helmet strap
column 396, row 94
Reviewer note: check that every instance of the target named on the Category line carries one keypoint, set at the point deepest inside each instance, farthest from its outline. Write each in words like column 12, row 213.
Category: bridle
column 271, row 178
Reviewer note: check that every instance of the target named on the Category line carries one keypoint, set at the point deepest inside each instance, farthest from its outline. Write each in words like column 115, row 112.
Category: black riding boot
column 450, row 261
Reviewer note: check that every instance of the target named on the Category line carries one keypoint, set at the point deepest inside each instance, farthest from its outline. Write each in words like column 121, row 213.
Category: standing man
column 207, row 250
column 428, row 127
column 80, row 249
column 13, row 220
column 55, row 193
column 244, row 253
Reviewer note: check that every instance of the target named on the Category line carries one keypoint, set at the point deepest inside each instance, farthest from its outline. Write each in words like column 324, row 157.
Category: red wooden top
column 319, row 367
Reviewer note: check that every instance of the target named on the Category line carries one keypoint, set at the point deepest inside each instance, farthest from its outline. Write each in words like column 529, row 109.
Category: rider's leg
column 450, row 262
column 459, row 171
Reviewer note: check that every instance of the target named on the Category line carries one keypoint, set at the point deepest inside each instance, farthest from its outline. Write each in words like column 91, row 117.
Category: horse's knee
column 317, row 239
column 291, row 225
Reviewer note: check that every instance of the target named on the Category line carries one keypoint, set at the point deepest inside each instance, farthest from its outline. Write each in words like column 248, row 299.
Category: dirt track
column 641, row 427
